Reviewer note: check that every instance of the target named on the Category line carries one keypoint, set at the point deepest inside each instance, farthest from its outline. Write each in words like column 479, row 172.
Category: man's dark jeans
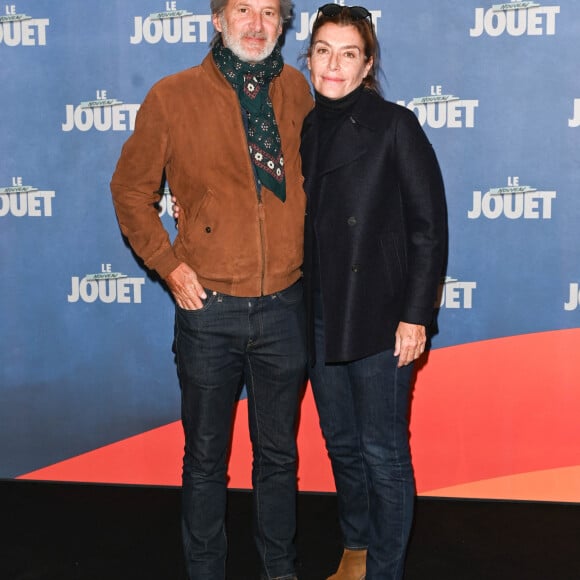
column 231, row 340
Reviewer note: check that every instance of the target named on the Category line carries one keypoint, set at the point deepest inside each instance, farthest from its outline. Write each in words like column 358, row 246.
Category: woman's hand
column 410, row 341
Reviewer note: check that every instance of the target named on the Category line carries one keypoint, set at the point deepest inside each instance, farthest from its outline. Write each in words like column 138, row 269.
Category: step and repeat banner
column 88, row 386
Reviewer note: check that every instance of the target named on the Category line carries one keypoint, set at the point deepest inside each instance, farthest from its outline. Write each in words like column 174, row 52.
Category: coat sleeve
column 135, row 187
column 425, row 216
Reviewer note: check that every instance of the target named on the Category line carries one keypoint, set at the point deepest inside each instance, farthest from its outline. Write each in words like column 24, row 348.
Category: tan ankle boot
column 353, row 566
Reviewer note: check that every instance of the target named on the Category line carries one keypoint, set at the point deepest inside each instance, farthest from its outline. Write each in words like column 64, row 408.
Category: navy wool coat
column 377, row 204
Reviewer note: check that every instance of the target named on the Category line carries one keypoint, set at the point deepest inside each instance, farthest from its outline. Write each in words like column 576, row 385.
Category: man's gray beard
column 236, row 46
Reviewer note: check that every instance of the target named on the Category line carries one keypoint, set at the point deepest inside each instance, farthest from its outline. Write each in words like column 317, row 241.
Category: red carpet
column 488, row 419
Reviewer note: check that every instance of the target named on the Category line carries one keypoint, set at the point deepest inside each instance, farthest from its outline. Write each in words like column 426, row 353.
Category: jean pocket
column 291, row 295
column 207, row 304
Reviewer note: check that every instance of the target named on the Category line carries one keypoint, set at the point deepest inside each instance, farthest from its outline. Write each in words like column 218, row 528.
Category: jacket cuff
column 165, row 262
column 413, row 315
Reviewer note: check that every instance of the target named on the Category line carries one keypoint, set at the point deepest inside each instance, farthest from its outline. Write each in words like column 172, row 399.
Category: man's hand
column 186, row 289
column 410, row 340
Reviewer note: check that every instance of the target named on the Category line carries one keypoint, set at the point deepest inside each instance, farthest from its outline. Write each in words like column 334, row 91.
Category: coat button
column 208, row 230
column 351, row 221
column 355, row 267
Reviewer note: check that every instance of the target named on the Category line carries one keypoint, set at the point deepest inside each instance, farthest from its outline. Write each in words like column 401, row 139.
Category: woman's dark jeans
column 363, row 407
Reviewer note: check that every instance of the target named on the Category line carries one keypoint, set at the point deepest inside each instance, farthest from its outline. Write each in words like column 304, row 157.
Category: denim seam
column 398, row 463
column 258, row 466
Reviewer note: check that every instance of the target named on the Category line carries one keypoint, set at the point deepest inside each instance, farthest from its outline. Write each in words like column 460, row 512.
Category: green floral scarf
column 251, row 82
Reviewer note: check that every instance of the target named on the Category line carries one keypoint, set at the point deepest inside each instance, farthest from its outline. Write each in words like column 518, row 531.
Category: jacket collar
column 350, row 142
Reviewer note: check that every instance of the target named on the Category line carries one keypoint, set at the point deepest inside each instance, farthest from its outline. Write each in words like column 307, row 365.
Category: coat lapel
column 350, row 141
column 348, row 146
column 309, row 151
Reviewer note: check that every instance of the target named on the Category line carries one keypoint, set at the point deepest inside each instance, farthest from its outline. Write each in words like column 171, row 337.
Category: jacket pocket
column 200, row 229
column 394, row 261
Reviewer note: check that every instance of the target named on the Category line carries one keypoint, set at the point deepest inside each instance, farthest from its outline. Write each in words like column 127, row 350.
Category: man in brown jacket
column 226, row 134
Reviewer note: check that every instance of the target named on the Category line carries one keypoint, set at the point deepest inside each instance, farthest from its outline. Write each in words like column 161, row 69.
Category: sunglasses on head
column 355, row 12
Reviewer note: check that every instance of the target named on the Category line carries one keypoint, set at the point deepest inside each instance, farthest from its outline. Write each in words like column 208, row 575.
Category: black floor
column 87, row 532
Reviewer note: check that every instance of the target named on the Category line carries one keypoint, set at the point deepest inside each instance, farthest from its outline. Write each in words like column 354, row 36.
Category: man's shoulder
column 178, row 79
column 189, row 77
column 295, row 88
column 293, row 75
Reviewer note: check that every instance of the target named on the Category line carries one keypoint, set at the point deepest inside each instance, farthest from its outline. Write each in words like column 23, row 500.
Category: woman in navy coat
column 375, row 247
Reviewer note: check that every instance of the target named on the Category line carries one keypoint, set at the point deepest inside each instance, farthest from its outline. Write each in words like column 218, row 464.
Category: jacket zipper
column 261, row 216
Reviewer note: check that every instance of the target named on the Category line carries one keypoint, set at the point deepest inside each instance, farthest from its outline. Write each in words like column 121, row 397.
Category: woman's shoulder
column 373, row 99
column 374, row 110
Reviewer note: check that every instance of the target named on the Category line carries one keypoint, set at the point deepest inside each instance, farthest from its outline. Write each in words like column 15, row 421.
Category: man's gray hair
column 286, row 6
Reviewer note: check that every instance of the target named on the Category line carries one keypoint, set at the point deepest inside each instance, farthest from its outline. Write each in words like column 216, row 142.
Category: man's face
column 250, row 28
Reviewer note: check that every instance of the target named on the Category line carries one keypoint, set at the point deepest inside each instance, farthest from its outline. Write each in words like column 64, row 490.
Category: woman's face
column 337, row 61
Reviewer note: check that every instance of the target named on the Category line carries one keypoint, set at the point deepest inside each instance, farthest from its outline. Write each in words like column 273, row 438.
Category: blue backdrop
column 86, row 332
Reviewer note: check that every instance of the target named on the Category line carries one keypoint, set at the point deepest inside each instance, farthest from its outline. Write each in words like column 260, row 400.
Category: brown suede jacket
column 190, row 126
